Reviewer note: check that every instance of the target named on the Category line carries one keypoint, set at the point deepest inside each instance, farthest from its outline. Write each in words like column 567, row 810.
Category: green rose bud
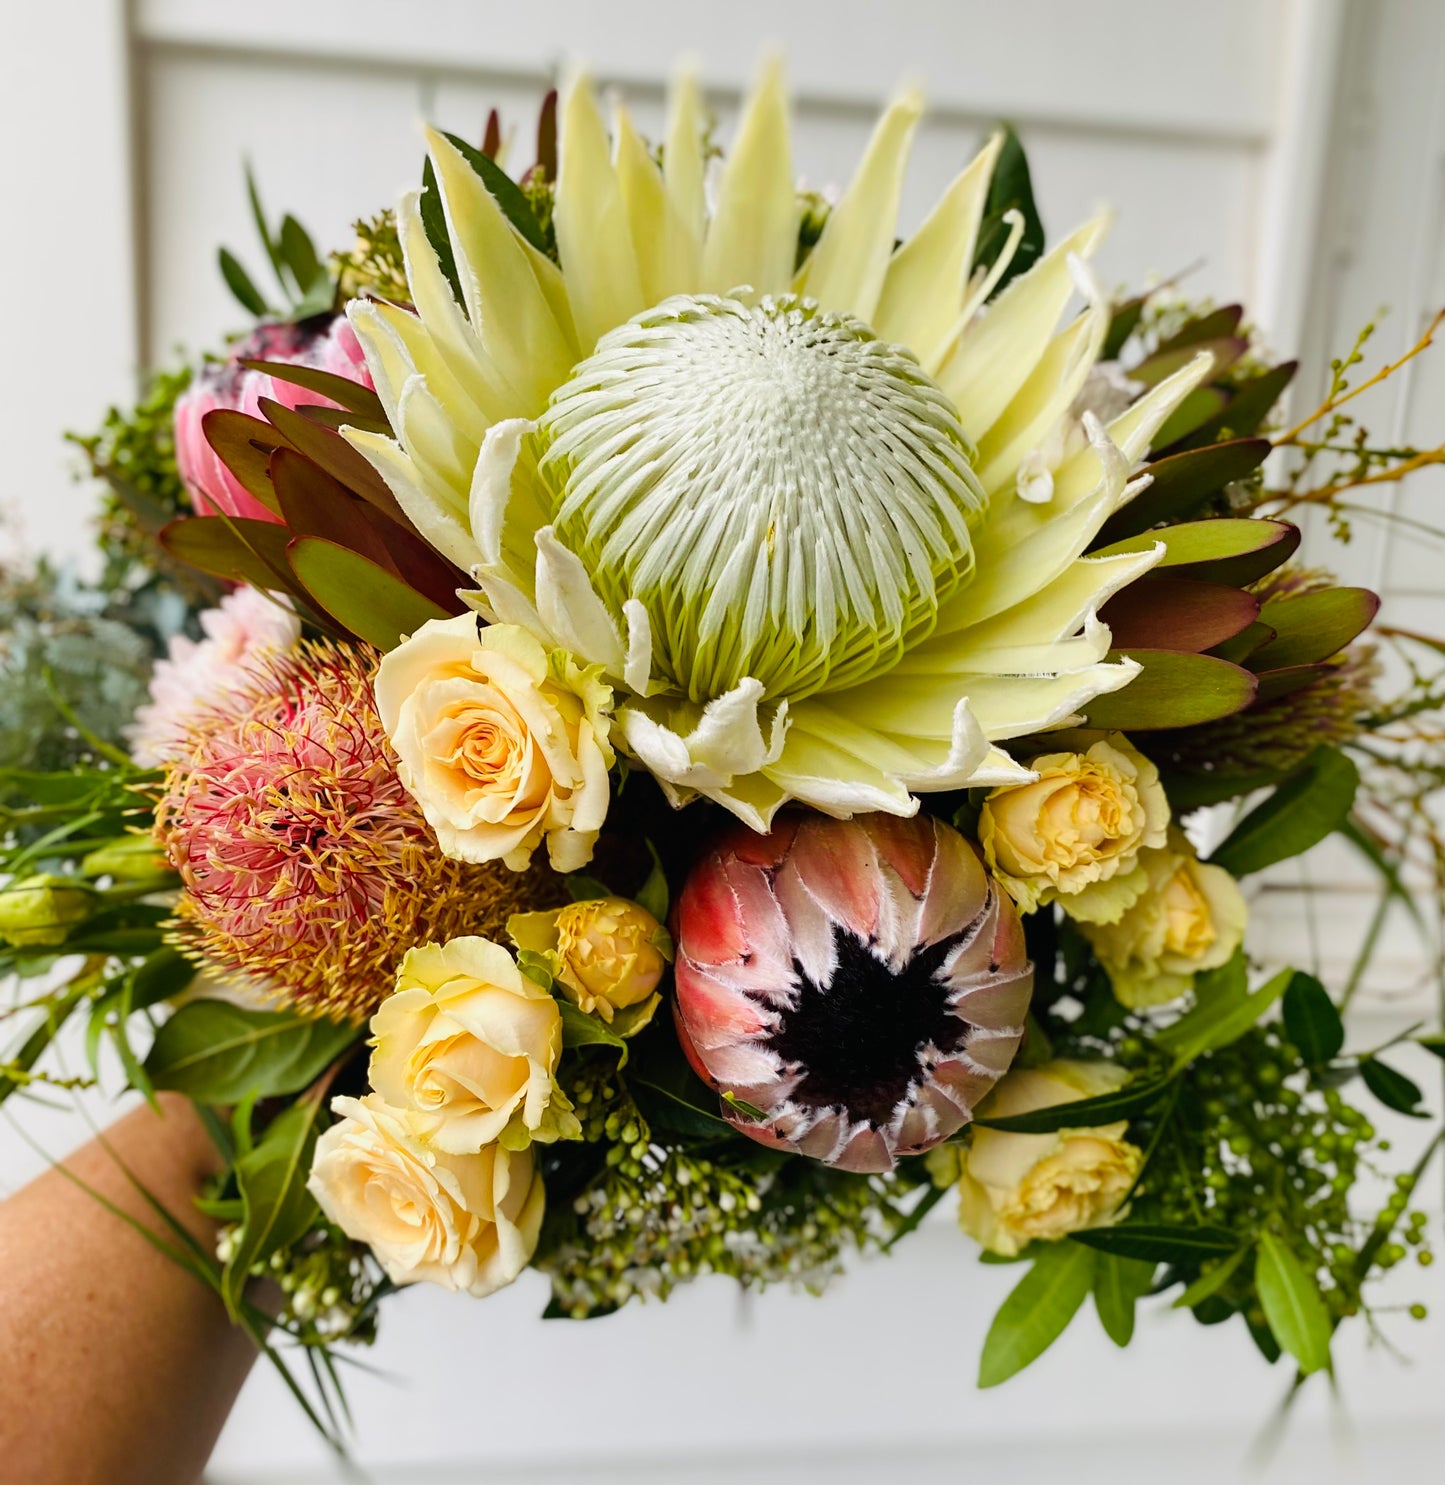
column 41, row 910
column 132, row 858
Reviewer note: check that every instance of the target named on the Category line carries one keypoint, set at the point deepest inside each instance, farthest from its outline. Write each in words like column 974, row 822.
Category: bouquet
column 703, row 729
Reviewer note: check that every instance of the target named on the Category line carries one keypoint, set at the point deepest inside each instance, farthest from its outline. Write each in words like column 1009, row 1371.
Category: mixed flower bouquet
column 698, row 734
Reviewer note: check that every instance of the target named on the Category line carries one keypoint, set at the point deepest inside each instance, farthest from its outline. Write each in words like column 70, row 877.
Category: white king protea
column 778, row 505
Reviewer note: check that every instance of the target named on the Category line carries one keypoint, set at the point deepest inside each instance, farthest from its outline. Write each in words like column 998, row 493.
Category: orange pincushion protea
column 306, row 865
column 862, row 983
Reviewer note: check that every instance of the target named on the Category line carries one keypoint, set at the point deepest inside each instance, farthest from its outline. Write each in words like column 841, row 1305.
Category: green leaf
column 1247, row 407
column 1084, row 1113
column 1229, row 549
column 244, row 445
column 1224, row 1011
column 1392, row 1088
column 1122, row 325
column 238, row 281
column 1160, row 1242
column 263, row 231
column 1119, row 1284
column 238, row 549
column 583, row 887
column 671, row 1095
column 581, row 1030
column 1212, row 1280
column 218, row 1053
column 298, row 253
column 1311, row 1021
column 1313, row 626
column 1222, row 321
column 434, row 223
column 1010, row 189
column 1173, row 690
column 1037, row 1312
column 1166, row 360
column 272, row 1181
column 341, row 389
column 1193, row 791
column 1300, row 813
column 372, row 603
column 653, row 896
column 1433, row 1044
column 505, row 192
column 166, row 973
column 1182, row 483
column 1200, row 407
column 1292, row 1304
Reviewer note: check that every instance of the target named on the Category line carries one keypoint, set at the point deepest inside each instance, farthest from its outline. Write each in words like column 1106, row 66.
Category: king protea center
column 779, row 506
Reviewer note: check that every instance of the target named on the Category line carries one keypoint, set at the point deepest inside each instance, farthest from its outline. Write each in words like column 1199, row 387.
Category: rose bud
column 230, row 385
column 861, row 984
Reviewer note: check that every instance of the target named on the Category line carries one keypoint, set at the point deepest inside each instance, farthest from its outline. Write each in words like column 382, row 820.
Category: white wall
column 1298, row 146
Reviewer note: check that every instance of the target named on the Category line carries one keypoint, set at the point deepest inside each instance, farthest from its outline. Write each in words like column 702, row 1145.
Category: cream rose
column 1015, row 1189
column 466, row 1222
column 607, row 954
column 501, row 743
column 1190, row 917
column 1075, row 834
column 472, row 1044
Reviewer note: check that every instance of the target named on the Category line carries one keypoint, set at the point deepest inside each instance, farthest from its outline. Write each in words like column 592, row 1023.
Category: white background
column 1296, row 147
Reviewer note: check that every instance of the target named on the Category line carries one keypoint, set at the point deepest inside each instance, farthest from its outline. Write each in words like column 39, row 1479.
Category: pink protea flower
column 863, row 983
column 305, row 863
column 198, row 675
column 211, row 485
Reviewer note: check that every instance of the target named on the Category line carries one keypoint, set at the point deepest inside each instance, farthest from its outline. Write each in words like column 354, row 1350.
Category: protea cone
column 860, row 983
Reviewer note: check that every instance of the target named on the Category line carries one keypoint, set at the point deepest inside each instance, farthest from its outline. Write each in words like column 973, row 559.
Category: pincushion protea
column 779, row 504
column 861, row 983
column 306, row 864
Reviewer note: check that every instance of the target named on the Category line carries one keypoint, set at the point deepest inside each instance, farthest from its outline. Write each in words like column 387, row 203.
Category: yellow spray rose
column 501, row 743
column 466, row 1222
column 471, row 1044
column 1015, row 1189
column 1074, row 835
column 607, row 954
column 1190, row 917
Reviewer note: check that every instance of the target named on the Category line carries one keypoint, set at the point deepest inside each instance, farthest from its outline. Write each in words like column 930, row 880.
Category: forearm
column 116, row 1365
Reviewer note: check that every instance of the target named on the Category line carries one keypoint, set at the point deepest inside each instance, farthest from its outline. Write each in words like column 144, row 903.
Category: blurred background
column 1290, row 153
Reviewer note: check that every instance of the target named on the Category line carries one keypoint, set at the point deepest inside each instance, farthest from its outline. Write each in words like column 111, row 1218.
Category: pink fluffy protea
column 305, row 863
column 863, row 983
column 212, row 487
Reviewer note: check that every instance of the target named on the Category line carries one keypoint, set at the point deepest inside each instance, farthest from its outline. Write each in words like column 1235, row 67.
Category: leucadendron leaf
column 1037, row 1312
column 1292, row 1304
column 219, row 1053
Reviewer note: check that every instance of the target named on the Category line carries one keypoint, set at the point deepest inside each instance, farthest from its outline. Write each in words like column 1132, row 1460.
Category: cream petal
column 683, row 168
column 847, row 266
column 571, row 610
column 429, row 507
column 753, row 236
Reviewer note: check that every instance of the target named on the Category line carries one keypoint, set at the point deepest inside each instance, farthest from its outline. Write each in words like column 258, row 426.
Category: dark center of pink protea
column 864, row 1038
column 861, row 984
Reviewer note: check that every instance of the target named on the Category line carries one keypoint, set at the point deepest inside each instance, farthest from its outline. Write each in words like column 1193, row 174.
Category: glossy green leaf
column 1225, row 1009
column 1165, row 612
column 1311, row 1020
column 1301, row 812
column 434, row 223
column 1010, row 189
column 1173, row 689
column 165, row 973
column 238, row 281
column 1122, row 325
column 1392, row 1088
column 1182, row 483
column 272, row 1181
column 1313, row 626
column 1084, row 1113
column 1160, row 1242
column 1037, row 1312
column 1212, row 1279
column 653, row 896
column 1230, row 549
column 372, row 603
column 218, row 1053
column 1292, row 1304
column 1119, row 1284
column 671, row 1095
column 1434, row 1044
column 298, row 254
column 581, row 1030
column 237, row 549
